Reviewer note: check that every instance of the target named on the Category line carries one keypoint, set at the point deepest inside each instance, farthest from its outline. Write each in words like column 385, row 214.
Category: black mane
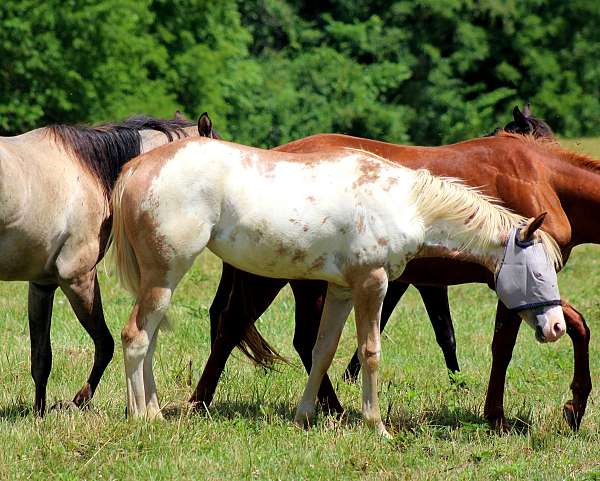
column 105, row 148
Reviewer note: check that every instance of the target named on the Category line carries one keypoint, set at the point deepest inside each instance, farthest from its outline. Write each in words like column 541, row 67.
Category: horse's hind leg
column 582, row 383
column 438, row 309
column 338, row 304
column 221, row 299
column 309, row 297
column 40, row 302
column 138, row 344
column 83, row 294
column 394, row 293
column 249, row 297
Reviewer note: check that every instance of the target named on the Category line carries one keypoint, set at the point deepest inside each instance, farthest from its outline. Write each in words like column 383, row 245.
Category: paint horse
column 55, row 185
column 242, row 298
column 345, row 216
column 559, row 181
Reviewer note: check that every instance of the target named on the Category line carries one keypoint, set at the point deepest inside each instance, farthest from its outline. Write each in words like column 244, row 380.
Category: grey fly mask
column 527, row 278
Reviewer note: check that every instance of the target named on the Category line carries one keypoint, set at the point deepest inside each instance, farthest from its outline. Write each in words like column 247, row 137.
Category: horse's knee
column 370, row 360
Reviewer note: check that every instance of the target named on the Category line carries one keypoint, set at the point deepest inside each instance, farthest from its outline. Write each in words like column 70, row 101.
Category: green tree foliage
column 270, row 71
column 78, row 60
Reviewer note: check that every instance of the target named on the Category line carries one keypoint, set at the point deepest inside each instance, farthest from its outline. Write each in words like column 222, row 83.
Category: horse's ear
column 532, row 225
column 520, row 119
column 179, row 116
column 205, row 125
column 527, row 110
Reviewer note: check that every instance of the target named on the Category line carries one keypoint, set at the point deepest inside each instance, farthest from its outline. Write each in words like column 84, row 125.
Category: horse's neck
column 578, row 189
column 151, row 139
column 440, row 241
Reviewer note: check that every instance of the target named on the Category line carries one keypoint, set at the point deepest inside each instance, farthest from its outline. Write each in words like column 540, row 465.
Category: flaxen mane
column 481, row 216
column 105, row 148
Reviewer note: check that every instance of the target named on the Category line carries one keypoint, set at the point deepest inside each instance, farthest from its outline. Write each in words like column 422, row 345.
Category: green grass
column 248, row 433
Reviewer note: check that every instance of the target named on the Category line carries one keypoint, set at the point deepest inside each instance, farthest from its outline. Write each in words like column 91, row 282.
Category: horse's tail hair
column 121, row 252
column 256, row 348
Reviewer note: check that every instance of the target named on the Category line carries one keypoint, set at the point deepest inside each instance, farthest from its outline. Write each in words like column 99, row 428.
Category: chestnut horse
column 497, row 164
column 55, row 185
column 345, row 216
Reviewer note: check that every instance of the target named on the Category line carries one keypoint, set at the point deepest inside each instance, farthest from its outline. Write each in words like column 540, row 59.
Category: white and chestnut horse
column 344, row 216
column 55, row 185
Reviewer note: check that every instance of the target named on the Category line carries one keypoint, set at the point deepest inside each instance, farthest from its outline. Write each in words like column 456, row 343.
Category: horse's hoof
column 64, row 406
column 384, row 433
column 303, row 419
column 571, row 416
column 332, row 407
column 458, row 381
column 154, row 415
column 349, row 377
column 500, row 425
column 82, row 398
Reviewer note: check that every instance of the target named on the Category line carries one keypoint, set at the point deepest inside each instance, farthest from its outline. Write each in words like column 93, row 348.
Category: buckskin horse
column 553, row 174
column 55, row 185
column 345, row 216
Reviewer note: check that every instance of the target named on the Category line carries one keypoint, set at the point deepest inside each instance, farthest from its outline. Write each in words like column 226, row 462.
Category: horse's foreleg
column 138, row 342
column 505, row 337
column 582, row 383
column 248, row 298
column 368, row 297
column 83, row 294
column 338, row 304
column 394, row 293
column 438, row 309
column 40, row 315
column 310, row 297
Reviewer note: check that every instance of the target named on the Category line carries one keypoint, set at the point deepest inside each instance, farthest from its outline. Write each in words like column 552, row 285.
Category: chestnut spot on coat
column 360, row 224
column 318, row 263
column 390, row 182
column 369, row 172
column 299, row 255
column 382, row 242
column 281, row 249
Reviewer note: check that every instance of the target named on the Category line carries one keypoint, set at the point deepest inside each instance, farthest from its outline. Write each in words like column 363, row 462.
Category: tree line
column 269, row 71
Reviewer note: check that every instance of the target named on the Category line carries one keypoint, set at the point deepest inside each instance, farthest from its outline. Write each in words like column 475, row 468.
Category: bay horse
column 345, row 216
column 55, row 185
column 561, row 182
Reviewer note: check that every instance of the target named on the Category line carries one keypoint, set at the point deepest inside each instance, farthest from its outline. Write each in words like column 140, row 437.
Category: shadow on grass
column 454, row 418
column 402, row 420
column 16, row 411
column 230, row 409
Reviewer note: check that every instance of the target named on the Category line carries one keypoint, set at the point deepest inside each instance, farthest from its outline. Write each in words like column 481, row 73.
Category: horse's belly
column 279, row 260
column 22, row 258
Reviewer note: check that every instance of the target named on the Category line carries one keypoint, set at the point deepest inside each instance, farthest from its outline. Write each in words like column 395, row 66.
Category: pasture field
column 248, row 432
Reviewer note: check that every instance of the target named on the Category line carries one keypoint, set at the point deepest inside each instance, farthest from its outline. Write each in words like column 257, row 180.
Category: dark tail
column 255, row 347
